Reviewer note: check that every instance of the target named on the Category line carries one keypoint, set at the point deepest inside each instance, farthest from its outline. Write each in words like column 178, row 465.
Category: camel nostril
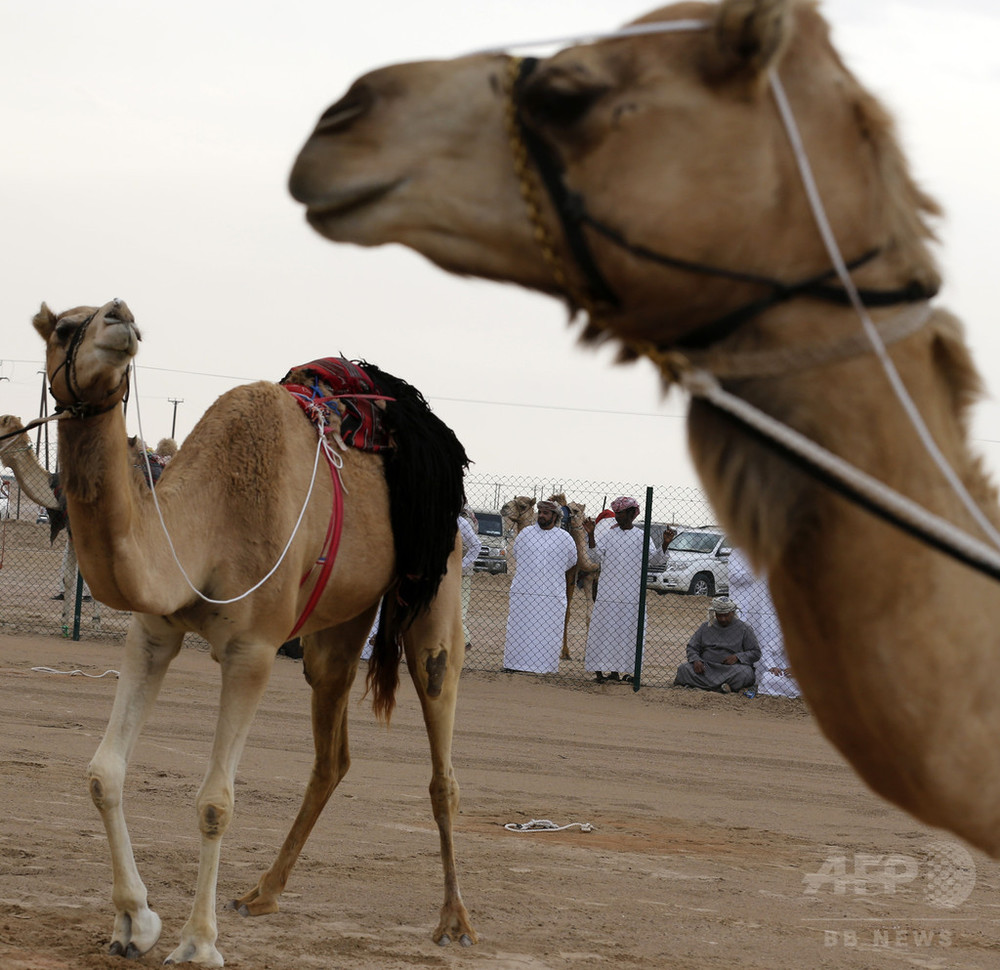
column 352, row 105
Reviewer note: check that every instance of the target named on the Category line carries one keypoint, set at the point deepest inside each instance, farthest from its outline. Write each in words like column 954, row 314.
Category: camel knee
column 444, row 793
column 329, row 774
column 214, row 814
column 105, row 782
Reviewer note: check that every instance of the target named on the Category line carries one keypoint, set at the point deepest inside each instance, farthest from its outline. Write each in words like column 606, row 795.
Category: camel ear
column 44, row 321
column 749, row 36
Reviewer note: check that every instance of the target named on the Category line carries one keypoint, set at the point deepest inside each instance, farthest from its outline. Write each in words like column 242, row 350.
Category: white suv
column 697, row 563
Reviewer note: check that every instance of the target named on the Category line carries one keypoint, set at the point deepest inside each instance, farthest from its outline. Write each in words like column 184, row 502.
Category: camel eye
column 65, row 329
column 559, row 107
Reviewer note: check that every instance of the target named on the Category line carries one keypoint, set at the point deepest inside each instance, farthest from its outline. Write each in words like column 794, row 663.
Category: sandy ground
column 726, row 832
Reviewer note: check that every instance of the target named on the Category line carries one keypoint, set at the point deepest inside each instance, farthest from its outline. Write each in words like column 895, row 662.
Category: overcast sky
column 146, row 152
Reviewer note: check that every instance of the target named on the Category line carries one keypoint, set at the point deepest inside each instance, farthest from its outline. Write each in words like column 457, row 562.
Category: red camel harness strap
column 330, row 546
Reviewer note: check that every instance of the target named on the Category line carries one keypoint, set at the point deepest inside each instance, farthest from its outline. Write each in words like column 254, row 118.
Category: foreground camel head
column 88, row 352
column 672, row 140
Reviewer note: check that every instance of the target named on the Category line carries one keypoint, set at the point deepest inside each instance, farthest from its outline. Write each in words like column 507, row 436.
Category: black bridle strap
column 571, row 208
column 812, row 286
column 565, row 202
column 79, row 409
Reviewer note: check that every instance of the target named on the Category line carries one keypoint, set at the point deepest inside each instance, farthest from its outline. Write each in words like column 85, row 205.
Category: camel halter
column 598, row 298
column 79, row 408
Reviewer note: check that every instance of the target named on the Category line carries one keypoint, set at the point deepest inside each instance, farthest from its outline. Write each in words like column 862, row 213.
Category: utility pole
column 173, row 424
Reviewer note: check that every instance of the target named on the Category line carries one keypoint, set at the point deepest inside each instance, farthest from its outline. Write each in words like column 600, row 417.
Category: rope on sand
column 544, row 825
column 74, row 673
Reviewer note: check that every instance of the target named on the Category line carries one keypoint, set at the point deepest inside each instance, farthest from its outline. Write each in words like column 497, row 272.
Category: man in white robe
column 774, row 673
column 471, row 545
column 537, row 609
column 615, row 619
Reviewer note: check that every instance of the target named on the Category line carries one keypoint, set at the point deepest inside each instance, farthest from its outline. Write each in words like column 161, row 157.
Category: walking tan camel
column 229, row 501
column 36, row 482
column 686, row 232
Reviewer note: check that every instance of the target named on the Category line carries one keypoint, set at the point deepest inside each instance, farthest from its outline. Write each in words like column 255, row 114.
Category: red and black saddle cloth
column 336, row 386
column 357, row 402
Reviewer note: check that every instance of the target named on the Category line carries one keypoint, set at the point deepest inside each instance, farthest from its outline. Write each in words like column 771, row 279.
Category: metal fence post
column 641, row 626
column 77, row 604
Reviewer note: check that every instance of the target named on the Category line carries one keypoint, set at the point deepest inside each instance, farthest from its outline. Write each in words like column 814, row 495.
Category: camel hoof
column 254, row 905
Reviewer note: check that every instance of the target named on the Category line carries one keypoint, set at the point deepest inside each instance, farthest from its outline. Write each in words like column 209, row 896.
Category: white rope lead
column 635, row 30
column 544, row 825
column 895, row 381
column 701, row 384
column 337, row 461
column 74, row 673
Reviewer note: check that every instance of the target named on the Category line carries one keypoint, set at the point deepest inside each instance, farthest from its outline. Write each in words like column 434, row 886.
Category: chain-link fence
column 536, row 623
column 40, row 587
column 588, row 627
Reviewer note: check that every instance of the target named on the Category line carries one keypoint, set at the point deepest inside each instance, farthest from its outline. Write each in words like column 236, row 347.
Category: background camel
column 583, row 575
column 692, row 239
column 518, row 513
column 230, row 501
column 36, row 482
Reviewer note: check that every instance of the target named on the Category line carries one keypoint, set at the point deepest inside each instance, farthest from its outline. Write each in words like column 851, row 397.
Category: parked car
column 697, row 563
column 42, row 517
column 492, row 557
column 656, row 530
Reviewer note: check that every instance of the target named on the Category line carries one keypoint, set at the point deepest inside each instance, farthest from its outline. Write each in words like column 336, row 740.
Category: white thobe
column 471, row 544
column 615, row 618
column 751, row 594
column 537, row 609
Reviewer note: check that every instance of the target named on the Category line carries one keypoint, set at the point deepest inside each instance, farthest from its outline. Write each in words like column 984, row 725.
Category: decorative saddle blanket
column 341, row 386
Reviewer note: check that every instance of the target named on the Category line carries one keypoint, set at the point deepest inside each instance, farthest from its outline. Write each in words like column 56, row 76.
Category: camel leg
column 588, row 598
column 246, row 667
column 330, row 663
column 570, row 589
column 147, row 655
column 435, row 652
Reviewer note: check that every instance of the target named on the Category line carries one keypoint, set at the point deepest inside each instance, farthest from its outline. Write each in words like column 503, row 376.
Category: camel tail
column 425, row 472
column 383, row 667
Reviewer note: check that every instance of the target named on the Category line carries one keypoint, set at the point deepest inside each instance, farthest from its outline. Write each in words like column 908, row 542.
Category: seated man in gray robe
column 722, row 652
